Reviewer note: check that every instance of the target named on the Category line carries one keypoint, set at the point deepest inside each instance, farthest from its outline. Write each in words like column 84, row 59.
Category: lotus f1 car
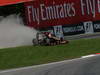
column 48, row 39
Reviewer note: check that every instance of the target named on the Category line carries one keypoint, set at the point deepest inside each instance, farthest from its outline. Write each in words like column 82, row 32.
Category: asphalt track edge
column 42, row 65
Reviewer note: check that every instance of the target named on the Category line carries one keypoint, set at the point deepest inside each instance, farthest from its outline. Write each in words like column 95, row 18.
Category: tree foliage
column 11, row 9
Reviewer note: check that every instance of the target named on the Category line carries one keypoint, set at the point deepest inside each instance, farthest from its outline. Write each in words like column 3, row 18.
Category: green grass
column 34, row 55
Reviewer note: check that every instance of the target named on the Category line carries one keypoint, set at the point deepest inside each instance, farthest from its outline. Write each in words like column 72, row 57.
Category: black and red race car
column 48, row 39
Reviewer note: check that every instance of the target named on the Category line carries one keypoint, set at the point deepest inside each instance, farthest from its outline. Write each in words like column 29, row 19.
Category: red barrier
column 9, row 2
column 43, row 13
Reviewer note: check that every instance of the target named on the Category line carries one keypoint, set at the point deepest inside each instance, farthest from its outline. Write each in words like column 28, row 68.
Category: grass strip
column 34, row 55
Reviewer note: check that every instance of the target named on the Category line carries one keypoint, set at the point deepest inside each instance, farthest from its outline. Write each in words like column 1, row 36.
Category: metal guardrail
column 81, row 36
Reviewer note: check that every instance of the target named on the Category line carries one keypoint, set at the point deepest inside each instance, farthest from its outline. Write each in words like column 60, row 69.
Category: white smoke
column 13, row 32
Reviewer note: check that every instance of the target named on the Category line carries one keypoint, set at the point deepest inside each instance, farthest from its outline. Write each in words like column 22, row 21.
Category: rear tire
column 35, row 42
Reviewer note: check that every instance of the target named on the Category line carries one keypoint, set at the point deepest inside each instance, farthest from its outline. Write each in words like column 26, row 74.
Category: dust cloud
column 14, row 33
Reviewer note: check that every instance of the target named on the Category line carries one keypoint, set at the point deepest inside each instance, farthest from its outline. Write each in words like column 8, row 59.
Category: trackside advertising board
column 9, row 2
column 96, row 26
column 44, row 13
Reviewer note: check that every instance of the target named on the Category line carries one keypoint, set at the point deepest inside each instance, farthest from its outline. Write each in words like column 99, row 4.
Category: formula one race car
column 48, row 39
